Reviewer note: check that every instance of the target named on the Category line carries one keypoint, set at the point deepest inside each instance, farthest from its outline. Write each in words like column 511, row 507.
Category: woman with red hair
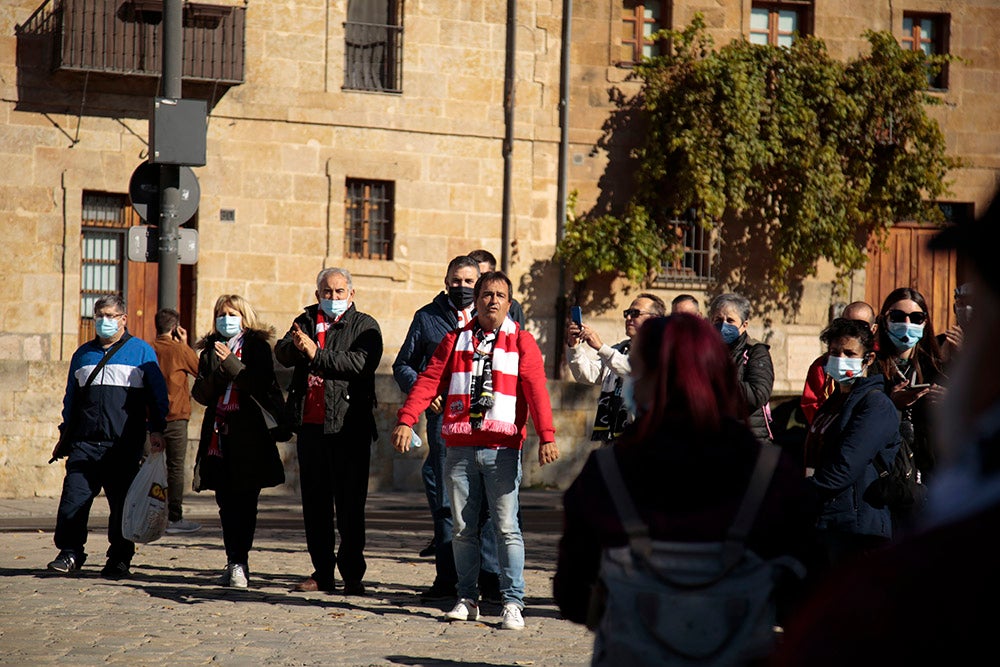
column 686, row 462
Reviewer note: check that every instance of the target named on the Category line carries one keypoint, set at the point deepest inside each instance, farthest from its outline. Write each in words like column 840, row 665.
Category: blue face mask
column 106, row 327
column 333, row 307
column 730, row 332
column 844, row 370
column 229, row 325
column 905, row 335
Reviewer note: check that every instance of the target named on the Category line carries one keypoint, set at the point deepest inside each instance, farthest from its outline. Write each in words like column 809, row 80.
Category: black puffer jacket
column 347, row 364
column 250, row 457
column 755, row 375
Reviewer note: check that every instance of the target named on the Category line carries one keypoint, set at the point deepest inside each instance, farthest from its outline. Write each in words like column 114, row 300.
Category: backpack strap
column 635, row 527
column 763, row 471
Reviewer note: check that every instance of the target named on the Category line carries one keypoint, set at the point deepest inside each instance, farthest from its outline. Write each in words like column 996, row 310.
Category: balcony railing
column 126, row 37
column 373, row 57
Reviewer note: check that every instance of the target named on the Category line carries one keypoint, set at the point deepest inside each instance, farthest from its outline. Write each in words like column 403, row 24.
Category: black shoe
column 429, row 550
column 116, row 569
column 67, row 562
column 355, row 588
column 439, row 593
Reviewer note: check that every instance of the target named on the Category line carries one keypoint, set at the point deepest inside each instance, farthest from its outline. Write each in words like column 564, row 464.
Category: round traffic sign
column 144, row 190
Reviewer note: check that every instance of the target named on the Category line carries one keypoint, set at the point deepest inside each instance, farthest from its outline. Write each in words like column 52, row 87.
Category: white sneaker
column 512, row 619
column 182, row 526
column 465, row 610
column 237, row 576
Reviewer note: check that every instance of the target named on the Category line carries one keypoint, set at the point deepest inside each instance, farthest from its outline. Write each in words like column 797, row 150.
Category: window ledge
column 374, row 268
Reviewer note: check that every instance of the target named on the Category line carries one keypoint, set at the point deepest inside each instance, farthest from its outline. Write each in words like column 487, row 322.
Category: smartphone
column 576, row 315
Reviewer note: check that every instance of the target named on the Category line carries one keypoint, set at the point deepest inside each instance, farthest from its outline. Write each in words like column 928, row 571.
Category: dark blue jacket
column 127, row 398
column 867, row 425
column 428, row 327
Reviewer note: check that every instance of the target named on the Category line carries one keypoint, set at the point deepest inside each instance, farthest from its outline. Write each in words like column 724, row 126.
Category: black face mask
column 460, row 297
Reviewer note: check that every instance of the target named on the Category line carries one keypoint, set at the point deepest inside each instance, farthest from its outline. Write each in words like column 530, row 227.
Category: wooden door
column 906, row 262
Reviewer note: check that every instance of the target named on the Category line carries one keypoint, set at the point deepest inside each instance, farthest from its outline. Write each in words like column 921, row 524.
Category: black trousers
column 333, row 478
column 238, row 516
column 91, row 467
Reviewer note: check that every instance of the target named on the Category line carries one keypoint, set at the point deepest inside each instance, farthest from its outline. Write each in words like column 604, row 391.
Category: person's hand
column 401, row 436
column 590, row 337
column 573, row 332
column 953, row 339
column 180, row 333
column 157, row 443
column 222, row 350
column 437, row 405
column 547, row 453
column 903, row 395
column 303, row 343
column 936, row 393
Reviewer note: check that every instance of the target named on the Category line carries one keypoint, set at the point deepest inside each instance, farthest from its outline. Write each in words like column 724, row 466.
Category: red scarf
column 314, row 410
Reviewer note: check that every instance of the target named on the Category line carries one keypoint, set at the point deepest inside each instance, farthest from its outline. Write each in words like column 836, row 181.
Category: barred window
column 369, row 211
column 104, row 228
column 373, row 46
column 699, row 248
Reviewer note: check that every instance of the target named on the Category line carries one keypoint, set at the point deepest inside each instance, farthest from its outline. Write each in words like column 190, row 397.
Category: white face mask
column 334, row 307
column 844, row 370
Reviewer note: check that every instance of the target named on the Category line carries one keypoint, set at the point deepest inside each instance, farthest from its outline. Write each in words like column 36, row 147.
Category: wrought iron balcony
column 125, row 37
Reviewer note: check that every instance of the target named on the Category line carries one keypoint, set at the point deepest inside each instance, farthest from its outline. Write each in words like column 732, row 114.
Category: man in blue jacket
column 115, row 393
column 450, row 310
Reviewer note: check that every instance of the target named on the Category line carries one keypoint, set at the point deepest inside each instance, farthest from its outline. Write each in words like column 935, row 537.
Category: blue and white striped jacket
column 127, row 398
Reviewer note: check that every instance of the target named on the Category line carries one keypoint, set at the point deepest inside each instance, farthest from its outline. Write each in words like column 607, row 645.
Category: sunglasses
column 633, row 313
column 916, row 317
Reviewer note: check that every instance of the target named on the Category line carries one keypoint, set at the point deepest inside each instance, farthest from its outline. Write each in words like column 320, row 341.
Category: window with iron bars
column 369, row 212
column 373, row 46
column 104, row 228
column 694, row 265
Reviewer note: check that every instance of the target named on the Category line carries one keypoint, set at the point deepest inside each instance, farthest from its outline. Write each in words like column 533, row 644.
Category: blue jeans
column 469, row 472
column 432, row 473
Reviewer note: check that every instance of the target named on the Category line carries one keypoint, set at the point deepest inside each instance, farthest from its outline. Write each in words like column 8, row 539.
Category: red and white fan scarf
column 500, row 417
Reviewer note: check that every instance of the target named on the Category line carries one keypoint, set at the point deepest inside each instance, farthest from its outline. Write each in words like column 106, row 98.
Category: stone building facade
column 368, row 135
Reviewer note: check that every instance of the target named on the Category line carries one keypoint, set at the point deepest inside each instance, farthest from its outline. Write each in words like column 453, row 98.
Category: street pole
column 170, row 194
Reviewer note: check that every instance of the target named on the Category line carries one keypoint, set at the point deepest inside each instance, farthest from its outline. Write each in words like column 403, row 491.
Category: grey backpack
column 686, row 603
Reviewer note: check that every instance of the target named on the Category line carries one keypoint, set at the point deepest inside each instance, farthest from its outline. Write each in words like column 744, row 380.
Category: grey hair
column 326, row 273
column 115, row 300
column 740, row 303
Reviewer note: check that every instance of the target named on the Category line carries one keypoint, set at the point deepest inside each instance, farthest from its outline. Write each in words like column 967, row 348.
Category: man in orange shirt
column 177, row 361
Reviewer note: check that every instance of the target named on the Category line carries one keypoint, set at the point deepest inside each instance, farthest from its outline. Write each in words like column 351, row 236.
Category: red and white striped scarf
column 500, row 417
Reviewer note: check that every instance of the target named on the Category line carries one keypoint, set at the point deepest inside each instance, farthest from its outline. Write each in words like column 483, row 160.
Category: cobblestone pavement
column 172, row 612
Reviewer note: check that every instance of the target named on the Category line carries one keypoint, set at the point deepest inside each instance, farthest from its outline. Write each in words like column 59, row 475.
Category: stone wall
column 31, row 395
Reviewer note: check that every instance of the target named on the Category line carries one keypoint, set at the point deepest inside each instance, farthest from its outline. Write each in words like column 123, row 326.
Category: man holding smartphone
column 611, row 366
column 177, row 361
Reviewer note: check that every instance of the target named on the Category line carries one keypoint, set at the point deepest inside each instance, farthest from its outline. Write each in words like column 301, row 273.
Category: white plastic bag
column 145, row 516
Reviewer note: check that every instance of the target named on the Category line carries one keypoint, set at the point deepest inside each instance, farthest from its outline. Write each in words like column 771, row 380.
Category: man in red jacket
column 492, row 375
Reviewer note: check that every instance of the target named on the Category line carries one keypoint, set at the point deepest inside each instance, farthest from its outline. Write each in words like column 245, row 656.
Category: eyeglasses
column 113, row 316
column 916, row 317
column 633, row 313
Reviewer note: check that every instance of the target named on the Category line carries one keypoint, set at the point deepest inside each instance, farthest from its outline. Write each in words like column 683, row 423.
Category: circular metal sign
column 144, row 190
